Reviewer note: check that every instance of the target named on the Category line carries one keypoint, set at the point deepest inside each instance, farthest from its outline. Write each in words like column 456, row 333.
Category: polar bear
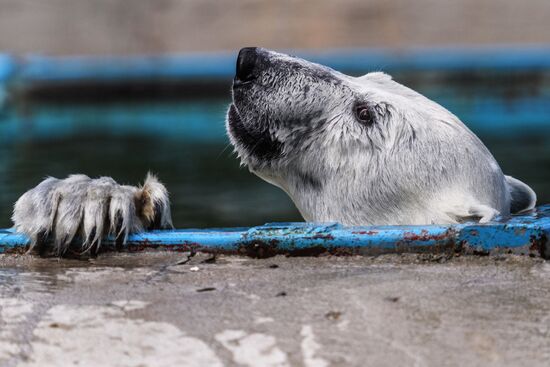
column 355, row 150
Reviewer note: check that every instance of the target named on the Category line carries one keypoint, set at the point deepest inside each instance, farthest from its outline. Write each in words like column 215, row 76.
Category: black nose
column 246, row 64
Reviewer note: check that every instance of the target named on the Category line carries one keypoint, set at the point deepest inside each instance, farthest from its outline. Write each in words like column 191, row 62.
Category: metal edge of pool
column 527, row 234
column 34, row 68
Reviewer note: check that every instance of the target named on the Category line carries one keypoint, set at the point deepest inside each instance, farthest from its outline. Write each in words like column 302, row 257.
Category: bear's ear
column 377, row 77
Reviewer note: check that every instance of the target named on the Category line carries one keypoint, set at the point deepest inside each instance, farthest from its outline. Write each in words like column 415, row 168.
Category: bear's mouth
column 257, row 141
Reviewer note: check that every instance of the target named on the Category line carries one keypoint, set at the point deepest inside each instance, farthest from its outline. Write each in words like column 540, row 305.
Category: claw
column 154, row 204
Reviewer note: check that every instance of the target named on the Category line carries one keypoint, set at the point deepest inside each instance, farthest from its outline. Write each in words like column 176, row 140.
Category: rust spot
column 424, row 235
column 369, row 233
column 262, row 249
column 259, row 249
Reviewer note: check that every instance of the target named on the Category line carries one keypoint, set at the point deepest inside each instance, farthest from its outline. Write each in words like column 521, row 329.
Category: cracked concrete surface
column 145, row 309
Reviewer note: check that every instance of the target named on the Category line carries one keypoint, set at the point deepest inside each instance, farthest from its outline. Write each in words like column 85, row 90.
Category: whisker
column 223, row 150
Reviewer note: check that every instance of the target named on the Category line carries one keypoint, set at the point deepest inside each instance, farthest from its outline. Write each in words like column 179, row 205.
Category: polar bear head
column 358, row 150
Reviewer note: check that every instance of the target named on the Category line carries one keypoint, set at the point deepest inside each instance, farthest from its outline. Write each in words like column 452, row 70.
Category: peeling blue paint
column 526, row 234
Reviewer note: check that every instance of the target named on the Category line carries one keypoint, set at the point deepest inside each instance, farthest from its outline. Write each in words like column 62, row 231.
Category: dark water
column 185, row 144
column 207, row 186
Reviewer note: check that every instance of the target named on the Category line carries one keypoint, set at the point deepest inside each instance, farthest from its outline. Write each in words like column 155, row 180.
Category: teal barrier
column 527, row 234
column 35, row 68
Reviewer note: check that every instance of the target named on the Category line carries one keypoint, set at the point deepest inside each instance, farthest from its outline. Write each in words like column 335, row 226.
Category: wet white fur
column 418, row 164
column 89, row 209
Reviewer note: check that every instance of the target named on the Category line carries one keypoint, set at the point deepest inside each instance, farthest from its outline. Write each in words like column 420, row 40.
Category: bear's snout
column 248, row 63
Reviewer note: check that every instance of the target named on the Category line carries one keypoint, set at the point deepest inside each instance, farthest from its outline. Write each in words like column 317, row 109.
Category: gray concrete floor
column 395, row 310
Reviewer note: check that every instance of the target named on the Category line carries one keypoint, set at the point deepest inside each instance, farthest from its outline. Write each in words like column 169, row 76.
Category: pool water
column 184, row 143
column 206, row 184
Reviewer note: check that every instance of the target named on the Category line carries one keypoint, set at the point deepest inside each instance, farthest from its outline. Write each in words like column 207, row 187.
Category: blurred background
column 120, row 87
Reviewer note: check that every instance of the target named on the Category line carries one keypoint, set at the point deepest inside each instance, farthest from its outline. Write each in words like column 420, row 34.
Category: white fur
column 417, row 164
column 59, row 211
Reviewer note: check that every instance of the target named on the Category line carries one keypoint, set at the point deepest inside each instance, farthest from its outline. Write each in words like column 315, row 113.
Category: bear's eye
column 364, row 115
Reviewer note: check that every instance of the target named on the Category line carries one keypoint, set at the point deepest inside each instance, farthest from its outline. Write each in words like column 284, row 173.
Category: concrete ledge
column 526, row 234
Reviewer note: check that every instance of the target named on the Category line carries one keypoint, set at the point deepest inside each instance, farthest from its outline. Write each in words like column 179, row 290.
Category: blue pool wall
column 509, row 107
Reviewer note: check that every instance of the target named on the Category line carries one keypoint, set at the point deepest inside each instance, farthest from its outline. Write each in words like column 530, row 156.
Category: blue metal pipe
column 527, row 234
column 220, row 65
